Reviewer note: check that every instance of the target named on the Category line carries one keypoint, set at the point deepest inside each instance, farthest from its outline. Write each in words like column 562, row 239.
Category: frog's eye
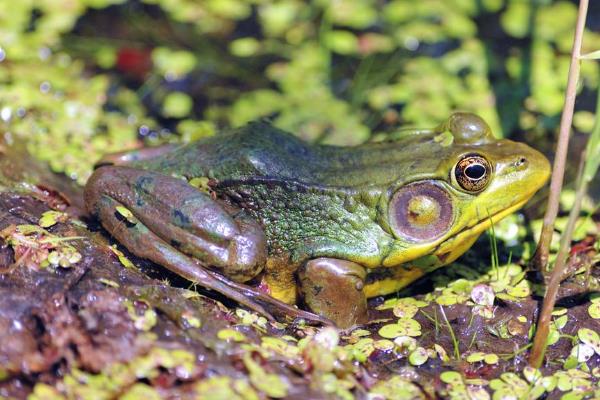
column 473, row 172
column 420, row 211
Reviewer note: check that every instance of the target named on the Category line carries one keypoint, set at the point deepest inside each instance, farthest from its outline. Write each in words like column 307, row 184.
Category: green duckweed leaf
column 50, row 218
column 271, row 384
column 590, row 338
column 177, row 105
column 418, row 357
column 594, row 310
column 141, row 391
column 122, row 259
column 127, row 214
column 231, row 335
column 190, row 320
column 404, row 327
column 451, row 377
column 397, row 388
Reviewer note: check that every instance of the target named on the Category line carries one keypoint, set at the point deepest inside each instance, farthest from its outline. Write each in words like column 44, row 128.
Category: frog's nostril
column 521, row 162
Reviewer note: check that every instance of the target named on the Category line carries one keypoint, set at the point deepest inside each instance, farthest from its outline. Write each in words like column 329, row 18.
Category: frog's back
column 261, row 151
column 255, row 150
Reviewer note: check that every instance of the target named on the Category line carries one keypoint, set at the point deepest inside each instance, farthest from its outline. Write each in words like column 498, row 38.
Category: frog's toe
column 247, row 251
column 335, row 289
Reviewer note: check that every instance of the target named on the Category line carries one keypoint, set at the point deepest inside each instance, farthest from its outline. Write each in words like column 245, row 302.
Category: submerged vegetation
column 337, row 72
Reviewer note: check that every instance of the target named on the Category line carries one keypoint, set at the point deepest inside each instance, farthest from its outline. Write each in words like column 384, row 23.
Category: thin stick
column 558, row 274
column 540, row 259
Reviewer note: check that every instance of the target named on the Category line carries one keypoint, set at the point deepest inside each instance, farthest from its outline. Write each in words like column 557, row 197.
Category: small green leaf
column 50, row 218
column 177, row 105
column 590, row 338
column 384, row 345
column 561, row 321
column 522, row 289
column 594, row 310
column 108, row 282
column 244, row 47
column 418, row 357
column 582, row 352
column 173, row 64
column 122, row 259
column 144, row 322
column 231, row 334
column 190, row 320
column 405, row 343
column 397, row 387
column 570, row 362
column 141, row 391
column 404, row 327
column 447, row 299
column 405, row 310
column 342, row 42
column 127, row 214
column 451, row 377
column 475, row 357
column 594, row 55
column 271, row 384
column 491, row 359
column 531, row 374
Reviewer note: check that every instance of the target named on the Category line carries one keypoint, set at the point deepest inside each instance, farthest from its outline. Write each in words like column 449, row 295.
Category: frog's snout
column 523, row 164
column 536, row 165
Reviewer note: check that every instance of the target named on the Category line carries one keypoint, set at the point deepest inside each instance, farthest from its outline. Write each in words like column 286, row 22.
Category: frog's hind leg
column 335, row 289
column 169, row 218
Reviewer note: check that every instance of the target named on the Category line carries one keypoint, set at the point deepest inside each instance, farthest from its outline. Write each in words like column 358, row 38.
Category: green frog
column 271, row 221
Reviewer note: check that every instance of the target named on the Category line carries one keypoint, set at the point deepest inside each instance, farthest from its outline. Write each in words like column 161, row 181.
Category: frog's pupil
column 475, row 171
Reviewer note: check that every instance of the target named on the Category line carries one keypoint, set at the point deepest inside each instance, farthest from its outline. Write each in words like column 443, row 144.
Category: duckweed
column 143, row 315
column 51, row 218
column 403, row 327
column 122, row 258
column 271, row 384
column 231, row 335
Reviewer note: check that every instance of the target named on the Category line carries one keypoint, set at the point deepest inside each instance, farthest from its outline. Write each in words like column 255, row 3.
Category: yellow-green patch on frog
column 333, row 224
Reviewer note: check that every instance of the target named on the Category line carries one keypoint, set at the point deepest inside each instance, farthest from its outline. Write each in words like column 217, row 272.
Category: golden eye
column 473, row 172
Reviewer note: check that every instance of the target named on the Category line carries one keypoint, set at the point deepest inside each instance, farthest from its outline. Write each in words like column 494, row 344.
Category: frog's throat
column 452, row 248
column 449, row 249
column 401, row 276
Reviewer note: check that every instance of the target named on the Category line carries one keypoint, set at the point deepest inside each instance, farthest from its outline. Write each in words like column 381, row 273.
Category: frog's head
column 473, row 181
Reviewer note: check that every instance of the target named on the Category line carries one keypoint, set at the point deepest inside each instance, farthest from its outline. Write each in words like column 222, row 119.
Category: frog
column 313, row 231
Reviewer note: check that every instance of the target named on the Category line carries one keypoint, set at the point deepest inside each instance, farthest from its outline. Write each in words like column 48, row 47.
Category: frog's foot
column 183, row 229
column 335, row 289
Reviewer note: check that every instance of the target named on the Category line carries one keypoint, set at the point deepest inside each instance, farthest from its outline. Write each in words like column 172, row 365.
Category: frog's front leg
column 183, row 229
column 334, row 289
